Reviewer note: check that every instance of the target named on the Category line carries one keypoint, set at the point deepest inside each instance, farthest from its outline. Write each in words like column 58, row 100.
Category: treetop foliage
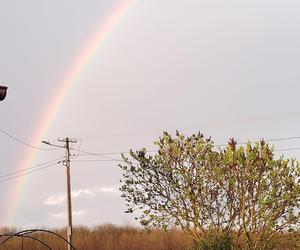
column 191, row 183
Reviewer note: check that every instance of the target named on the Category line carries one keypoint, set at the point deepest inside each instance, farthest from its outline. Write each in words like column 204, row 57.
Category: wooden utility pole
column 67, row 142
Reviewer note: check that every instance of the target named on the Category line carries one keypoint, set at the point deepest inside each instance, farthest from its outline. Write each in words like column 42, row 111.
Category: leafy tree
column 262, row 194
column 242, row 191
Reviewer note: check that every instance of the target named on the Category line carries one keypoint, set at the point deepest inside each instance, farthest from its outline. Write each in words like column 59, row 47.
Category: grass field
column 110, row 237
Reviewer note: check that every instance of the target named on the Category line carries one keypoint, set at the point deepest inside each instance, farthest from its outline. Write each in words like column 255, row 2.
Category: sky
column 224, row 68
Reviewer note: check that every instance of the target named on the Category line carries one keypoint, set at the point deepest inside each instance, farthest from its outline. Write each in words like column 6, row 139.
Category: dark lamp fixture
column 3, row 91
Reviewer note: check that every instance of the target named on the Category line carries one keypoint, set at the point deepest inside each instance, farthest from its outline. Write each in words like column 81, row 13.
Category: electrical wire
column 149, row 151
column 267, row 140
column 118, row 153
column 287, row 149
column 85, row 153
column 78, row 148
column 25, row 143
column 41, row 166
column 95, row 160
column 96, row 154
column 29, row 172
column 26, row 169
column 283, row 139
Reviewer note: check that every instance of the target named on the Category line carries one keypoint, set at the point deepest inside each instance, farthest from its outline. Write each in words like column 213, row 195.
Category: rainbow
column 71, row 78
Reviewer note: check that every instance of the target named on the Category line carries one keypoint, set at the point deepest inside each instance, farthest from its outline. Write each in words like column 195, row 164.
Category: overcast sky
column 225, row 68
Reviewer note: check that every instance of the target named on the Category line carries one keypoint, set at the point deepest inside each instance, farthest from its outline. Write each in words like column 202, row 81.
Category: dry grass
column 110, row 237
column 107, row 237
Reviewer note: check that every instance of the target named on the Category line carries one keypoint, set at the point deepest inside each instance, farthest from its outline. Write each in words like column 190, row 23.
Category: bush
column 214, row 241
column 192, row 184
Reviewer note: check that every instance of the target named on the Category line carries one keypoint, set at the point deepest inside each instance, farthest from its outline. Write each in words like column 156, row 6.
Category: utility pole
column 67, row 162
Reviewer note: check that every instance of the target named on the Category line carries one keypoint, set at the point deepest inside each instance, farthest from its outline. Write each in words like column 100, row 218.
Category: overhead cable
column 95, row 160
column 29, row 172
column 96, row 154
column 287, row 149
column 266, row 140
column 103, row 154
column 25, row 143
column 36, row 166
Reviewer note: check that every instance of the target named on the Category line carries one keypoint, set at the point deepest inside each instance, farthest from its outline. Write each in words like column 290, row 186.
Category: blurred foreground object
column 3, row 91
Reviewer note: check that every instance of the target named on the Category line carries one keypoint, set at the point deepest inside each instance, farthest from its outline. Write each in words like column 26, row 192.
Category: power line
column 24, row 143
column 287, row 149
column 267, row 140
column 97, row 154
column 283, row 139
column 95, row 160
column 29, row 172
column 26, row 169
column 116, row 153
column 110, row 159
column 149, row 151
column 103, row 154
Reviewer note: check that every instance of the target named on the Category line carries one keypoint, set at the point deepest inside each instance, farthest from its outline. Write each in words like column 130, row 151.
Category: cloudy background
column 225, row 68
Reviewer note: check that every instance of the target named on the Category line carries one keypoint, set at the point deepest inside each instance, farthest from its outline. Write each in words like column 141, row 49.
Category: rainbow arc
column 71, row 78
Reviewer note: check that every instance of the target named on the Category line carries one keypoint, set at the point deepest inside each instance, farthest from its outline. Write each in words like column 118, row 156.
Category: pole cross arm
column 3, row 91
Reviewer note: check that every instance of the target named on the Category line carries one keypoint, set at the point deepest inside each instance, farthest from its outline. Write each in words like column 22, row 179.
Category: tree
column 261, row 194
column 241, row 191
